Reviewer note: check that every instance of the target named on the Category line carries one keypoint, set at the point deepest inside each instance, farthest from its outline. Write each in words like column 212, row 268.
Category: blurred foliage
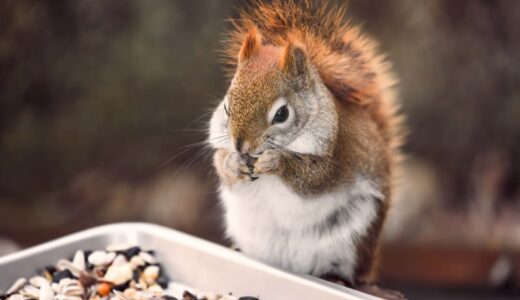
column 93, row 82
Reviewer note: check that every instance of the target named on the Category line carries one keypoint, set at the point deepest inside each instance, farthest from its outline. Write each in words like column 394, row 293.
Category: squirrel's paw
column 235, row 168
column 230, row 167
column 268, row 163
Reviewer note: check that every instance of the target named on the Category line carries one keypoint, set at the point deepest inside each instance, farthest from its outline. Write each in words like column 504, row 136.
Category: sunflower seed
column 46, row 292
column 137, row 261
column 64, row 266
column 79, row 260
column 119, row 260
column 30, row 291
column 150, row 274
column 118, row 274
column 155, row 288
column 17, row 285
column 72, row 289
column 117, row 247
column 37, row 281
column 65, row 297
column 15, row 297
column 100, row 258
column 147, row 257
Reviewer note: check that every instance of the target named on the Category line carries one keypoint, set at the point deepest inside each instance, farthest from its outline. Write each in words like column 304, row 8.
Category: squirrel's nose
column 241, row 146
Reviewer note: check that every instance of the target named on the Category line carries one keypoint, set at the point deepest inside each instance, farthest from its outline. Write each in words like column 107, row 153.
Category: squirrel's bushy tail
column 345, row 59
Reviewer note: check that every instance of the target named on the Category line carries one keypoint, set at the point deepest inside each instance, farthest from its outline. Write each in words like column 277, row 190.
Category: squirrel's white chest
column 269, row 222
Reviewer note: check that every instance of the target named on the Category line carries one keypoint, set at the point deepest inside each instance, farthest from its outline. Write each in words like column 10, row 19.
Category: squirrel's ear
column 293, row 60
column 250, row 46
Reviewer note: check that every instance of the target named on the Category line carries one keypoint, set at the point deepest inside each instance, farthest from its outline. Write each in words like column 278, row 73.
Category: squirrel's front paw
column 231, row 167
column 268, row 163
column 235, row 168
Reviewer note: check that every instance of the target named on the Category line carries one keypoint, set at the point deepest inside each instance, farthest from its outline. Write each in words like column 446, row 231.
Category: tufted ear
column 250, row 46
column 293, row 60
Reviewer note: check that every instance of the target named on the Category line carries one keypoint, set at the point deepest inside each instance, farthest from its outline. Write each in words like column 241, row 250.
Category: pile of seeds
column 116, row 273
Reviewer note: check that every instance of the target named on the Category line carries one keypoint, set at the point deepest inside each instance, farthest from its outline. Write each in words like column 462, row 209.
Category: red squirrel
column 306, row 140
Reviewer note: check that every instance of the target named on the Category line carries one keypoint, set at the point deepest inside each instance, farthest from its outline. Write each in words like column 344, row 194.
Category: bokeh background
column 103, row 105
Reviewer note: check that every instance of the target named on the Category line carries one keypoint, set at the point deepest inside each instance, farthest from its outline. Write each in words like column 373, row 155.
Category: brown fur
column 251, row 45
column 262, row 86
column 277, row 40
column 345, row 59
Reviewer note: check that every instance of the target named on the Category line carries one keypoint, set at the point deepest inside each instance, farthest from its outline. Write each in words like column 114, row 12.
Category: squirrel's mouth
column 250, row 163
column 250, row 160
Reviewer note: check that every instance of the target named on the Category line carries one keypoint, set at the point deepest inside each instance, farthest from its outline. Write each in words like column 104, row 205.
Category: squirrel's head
column 276, row 100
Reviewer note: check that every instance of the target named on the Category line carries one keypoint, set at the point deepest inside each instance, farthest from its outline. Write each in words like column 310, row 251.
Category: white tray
column 189, row 260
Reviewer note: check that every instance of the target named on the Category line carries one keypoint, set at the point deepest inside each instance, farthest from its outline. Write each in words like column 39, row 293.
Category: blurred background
column 102, row 104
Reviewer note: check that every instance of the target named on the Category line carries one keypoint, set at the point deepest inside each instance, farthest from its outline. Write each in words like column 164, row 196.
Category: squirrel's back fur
column 345, row 59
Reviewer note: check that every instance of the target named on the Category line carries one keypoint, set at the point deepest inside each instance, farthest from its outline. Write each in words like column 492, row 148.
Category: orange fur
column 251, row 45
column 345, row 59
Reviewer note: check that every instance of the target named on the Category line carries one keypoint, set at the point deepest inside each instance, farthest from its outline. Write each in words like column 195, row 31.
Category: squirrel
column 306, row 140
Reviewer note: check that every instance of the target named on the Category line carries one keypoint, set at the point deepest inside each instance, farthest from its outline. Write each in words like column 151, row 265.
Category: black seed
column 62, row 274
column 141, row 268
column 135, row 275
column 47, row 275
column 131, row 252
column 90, row 266
column 248, row 298
column 50, row 269
column 188, row 296
column 121, row 287
column 6, row 296
column 162, row 281
column 168, row 297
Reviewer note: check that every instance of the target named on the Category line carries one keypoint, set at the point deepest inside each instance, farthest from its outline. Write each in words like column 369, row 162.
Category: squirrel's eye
column 226, row 110
column 281, row 115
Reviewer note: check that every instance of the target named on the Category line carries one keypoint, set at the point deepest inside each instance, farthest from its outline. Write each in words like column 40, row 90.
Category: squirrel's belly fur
column 316, row 235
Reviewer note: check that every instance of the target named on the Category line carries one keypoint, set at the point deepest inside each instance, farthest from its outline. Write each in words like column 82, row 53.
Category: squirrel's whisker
column 188, row 147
